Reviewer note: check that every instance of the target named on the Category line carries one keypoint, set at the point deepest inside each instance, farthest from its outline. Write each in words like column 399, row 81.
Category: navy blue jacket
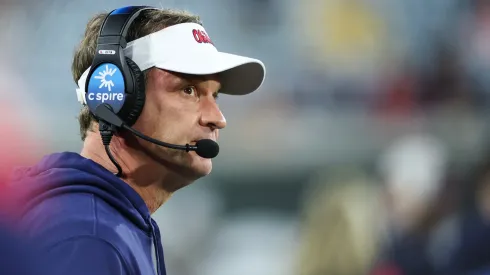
column 18, row 256
column 87, row 220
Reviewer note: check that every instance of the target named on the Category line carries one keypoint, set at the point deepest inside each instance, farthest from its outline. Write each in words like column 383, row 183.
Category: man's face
column 180, row 109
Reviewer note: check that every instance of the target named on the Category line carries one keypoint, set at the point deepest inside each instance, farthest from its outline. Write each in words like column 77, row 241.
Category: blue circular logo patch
column 106, row 85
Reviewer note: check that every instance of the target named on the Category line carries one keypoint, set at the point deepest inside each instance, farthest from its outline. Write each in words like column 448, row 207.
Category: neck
column 153, row 181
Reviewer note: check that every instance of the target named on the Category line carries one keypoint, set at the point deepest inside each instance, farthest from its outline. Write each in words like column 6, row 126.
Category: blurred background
column 366, row 151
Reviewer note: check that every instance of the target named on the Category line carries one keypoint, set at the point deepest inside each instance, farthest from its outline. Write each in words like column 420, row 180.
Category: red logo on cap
column 201, row 36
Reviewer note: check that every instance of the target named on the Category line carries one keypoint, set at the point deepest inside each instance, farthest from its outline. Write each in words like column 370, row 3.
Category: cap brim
column 239, row 75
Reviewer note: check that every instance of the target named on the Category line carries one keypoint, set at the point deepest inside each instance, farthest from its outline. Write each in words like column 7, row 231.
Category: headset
column 115, row 85
column 126, row 93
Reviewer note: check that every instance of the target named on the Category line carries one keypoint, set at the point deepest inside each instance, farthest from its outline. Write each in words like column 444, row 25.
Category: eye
column 190, row 90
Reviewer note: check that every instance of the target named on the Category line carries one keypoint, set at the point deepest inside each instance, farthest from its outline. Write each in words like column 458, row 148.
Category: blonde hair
column 340, row 231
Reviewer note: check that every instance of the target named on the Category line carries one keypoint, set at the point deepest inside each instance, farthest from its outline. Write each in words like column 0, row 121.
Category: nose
column 211, row 115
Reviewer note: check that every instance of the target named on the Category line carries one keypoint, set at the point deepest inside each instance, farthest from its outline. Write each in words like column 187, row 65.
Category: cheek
column 169, row 111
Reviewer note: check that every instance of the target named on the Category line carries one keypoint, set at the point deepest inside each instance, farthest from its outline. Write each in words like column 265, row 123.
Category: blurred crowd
column 367, row 84
column 394, row 57
column 412, row 216
column 417, row 209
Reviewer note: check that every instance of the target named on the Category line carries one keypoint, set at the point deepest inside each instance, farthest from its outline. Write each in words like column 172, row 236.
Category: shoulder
column 75, row 228
column 86, row 254
column 15, row 249
column 66, row 216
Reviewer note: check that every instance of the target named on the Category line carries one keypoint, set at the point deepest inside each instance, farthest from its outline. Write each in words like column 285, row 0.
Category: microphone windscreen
column 207, row 148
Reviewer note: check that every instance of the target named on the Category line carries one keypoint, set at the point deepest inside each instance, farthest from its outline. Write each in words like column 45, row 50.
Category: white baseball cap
column 186, row 48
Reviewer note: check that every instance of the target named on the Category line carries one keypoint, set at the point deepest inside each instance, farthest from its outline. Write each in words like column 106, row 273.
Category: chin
column 193, row 166
column 201, row 166
column 189, row 164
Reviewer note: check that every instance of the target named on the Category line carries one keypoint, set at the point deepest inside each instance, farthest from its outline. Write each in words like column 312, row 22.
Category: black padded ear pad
column 137, row 101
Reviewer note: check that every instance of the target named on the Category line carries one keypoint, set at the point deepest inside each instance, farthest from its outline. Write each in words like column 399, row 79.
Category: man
column 94, row 222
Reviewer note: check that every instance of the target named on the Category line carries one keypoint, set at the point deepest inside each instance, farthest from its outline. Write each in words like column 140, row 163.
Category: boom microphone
column 205, row 148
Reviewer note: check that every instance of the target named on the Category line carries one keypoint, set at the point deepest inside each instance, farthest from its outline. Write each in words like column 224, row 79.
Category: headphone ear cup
column 138, row 94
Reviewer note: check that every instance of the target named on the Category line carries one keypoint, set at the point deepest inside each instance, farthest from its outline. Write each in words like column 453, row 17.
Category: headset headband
column 117, row 23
